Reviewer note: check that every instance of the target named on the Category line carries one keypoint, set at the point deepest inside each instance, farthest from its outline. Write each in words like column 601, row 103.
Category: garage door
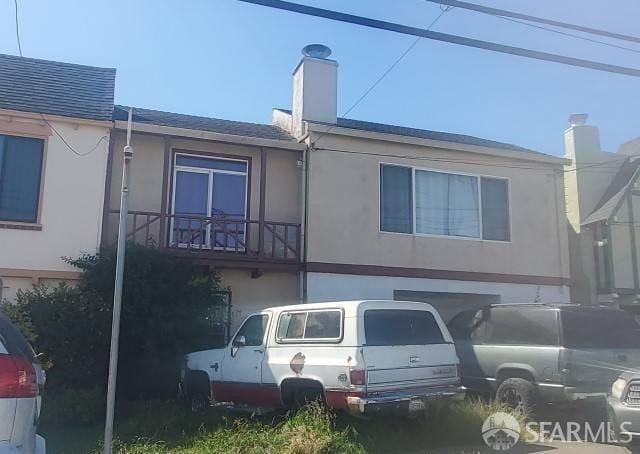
column 447, row 304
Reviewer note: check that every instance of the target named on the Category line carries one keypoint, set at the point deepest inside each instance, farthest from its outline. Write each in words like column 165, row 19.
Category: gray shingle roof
column 48, row 87
column 238, row 128
column 426, row 134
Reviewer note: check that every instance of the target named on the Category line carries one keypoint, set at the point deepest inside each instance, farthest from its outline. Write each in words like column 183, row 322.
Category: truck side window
column 318, row 326
column 522, row 326
column 253, row 330
column 291, row 325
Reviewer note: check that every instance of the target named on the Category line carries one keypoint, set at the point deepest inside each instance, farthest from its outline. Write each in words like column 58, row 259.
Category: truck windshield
column 401, row 327
column 600, row 329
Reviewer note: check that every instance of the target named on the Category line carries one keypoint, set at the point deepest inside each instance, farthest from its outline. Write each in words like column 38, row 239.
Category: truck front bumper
column 403, row 401
column 624, row 418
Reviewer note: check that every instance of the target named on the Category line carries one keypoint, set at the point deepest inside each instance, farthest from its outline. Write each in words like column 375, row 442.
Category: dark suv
column 533, row 353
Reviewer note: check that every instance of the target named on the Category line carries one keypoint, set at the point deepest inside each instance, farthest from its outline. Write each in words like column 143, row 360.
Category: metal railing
column 246, row 238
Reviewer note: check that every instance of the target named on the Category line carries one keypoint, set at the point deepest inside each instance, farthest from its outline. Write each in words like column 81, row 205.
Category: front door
column 241, row 374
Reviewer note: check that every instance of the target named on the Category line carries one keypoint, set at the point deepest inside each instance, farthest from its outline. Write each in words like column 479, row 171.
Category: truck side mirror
column 239, row 341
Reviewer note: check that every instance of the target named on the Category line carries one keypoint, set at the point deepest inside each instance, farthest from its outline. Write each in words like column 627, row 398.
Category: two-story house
column 55, row 122
column 603, row 208
column 316, row 207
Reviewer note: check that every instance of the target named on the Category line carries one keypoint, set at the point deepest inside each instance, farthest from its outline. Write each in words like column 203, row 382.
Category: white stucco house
column 55, row 121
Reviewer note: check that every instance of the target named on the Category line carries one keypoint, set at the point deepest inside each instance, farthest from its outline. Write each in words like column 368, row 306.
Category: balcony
column 215, row 241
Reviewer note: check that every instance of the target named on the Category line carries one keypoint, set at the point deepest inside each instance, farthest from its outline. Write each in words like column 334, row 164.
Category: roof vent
column 316, row 51
column 578, row 119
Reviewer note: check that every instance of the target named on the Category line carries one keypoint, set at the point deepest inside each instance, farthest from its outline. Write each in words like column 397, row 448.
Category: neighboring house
column 412, row 214
column 50, row 197
column 316, row 207
column 603, row 208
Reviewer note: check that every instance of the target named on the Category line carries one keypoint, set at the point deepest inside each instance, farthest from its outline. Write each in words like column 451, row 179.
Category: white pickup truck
column 361, row 356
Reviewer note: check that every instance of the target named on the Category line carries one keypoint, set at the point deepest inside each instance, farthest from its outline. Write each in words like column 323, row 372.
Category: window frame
column 205, row 155
column 316, row 340
column 246, row 320
column 478, row 177
column 37, row 224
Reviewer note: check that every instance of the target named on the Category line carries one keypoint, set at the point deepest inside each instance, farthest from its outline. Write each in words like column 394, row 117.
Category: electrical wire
column 386, row 72
column 72, row 149
column 559, row 32
column 15, row 2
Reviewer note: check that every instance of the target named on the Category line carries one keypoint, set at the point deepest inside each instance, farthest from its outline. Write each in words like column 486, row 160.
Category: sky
column 232, row 60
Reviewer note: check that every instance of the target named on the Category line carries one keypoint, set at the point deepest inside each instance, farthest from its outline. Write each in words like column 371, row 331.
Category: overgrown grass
column 165, row 427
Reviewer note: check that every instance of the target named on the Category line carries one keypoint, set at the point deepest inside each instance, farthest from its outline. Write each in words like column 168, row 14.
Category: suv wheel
column 519, row 394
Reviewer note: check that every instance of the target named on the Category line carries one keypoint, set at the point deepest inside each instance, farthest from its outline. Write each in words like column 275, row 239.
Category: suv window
column 401, row 327
column 310, row 325
column 461, row 326
column 599, row 329
column 518, row 326
column 253, row 330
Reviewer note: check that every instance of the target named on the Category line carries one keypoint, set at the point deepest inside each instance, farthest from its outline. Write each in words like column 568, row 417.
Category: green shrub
column 74, row 406
column 166, row 311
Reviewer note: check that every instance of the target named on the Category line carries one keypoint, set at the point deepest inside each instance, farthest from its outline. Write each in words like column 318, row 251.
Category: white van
column 362, row 356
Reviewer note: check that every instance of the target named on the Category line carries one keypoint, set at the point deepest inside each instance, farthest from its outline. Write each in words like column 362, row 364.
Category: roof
column 425, row 134
column 49, row 87
column 615, row 193
column 238, row 128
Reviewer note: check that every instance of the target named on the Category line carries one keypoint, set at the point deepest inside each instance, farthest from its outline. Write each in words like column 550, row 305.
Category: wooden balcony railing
column 217, row 236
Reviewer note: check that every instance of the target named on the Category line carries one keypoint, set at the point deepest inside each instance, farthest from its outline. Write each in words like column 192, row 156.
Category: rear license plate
column 417, row 405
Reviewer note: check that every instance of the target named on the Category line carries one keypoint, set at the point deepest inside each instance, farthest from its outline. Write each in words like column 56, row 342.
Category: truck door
column 241, row 374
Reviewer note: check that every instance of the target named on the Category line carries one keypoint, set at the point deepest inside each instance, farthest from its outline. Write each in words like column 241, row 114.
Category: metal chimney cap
column 578, row 119
column 316, row 51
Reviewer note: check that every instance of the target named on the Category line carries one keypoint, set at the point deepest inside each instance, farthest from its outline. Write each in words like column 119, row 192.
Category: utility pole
column 117, row 293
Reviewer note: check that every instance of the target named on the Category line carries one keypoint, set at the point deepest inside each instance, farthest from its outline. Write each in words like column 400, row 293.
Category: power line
column 555, row 23
column 15, row 2
column 455, row 39
column 384, row 74
column 572, row 35
column 57, row 133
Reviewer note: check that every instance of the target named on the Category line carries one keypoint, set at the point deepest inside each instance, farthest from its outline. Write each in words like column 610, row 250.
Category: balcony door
column 209, row 202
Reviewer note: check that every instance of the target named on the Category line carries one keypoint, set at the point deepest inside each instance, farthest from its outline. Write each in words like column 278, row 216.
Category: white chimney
column 582, row 141
column 315, row 89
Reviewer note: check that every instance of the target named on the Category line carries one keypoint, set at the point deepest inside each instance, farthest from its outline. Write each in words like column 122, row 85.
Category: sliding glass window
column 209, row 202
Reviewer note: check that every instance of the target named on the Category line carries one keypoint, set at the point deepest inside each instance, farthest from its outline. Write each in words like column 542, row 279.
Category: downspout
column 303, row 227
column 559, row 228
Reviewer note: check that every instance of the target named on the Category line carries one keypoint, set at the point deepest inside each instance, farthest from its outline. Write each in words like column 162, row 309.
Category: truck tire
column 518, row 394
column 198, row 402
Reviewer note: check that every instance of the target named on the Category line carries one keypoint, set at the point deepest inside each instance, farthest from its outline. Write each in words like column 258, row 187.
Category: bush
column 74, row 406
column 166, row 311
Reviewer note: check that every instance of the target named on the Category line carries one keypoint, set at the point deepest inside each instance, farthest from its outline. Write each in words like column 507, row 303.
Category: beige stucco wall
column 344, row 212
column 250, row 295
column 282, row 183
column 71, row 204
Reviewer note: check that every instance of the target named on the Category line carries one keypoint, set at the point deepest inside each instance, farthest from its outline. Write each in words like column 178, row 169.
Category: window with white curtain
column 445, row 204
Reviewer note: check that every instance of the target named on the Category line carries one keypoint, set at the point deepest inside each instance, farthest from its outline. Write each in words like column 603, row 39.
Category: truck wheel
column 198, row 402
column 305, row 396
column 518, row 394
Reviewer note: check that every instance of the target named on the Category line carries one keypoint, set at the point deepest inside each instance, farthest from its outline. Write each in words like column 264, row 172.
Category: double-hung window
column 20, row 178
column 209, row 202
column 445, row 204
